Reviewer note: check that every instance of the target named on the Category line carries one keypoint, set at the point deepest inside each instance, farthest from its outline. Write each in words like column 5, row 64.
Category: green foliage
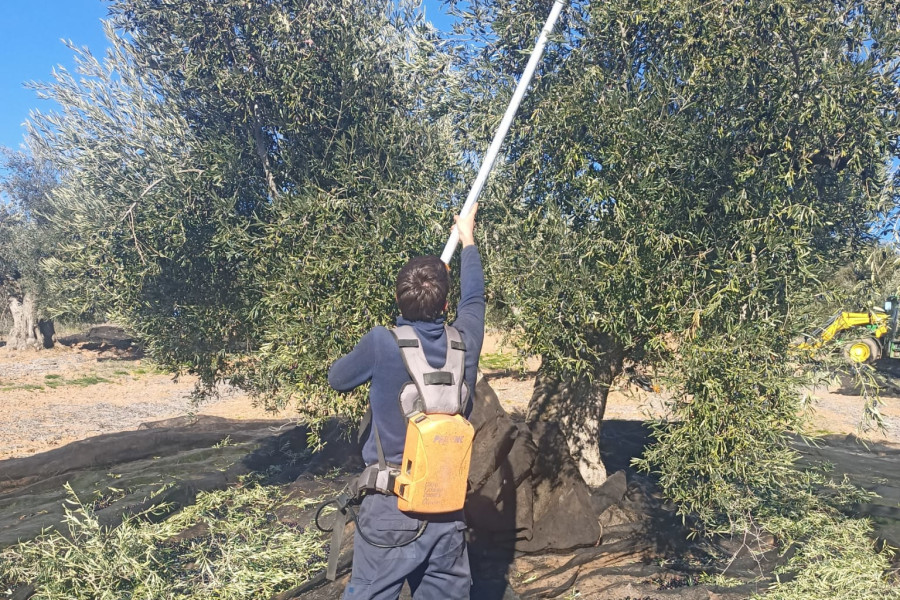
column 53, row 381
column 837, row 559
column 28, row 387
column 501, row 362
column 226, row 546
column 863, row 283
column 88, row 380
column 682, row 178
column 240, row 182
column 24, row 185
column 723, row 456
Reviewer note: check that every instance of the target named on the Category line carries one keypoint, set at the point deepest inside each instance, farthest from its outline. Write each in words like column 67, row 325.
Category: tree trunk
column 577, row 405
column 27, row 330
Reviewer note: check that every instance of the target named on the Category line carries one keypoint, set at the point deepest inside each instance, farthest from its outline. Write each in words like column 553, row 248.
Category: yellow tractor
column 878, row 341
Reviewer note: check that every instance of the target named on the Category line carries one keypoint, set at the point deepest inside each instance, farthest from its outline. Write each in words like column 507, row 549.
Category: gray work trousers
column 436, row 565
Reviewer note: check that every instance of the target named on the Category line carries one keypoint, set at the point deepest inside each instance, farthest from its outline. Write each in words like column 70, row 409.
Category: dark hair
column 422, row 287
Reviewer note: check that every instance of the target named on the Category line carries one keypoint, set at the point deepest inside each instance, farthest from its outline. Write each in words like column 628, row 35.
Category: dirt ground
column 94, row 386
column 54, row 397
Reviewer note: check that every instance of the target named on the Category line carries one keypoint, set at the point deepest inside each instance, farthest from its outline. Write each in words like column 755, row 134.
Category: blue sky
column 30, row 48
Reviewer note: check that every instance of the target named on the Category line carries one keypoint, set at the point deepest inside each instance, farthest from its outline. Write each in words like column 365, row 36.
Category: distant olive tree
column 24, row 185
column 867, row 281
column 681, row 178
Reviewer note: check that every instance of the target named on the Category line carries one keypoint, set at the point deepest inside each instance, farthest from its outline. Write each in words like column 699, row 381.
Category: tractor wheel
column 865, row 350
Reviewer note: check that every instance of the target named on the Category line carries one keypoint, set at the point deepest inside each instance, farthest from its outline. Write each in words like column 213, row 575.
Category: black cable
column 319, row 513
column 419, row 533
column 362, row 534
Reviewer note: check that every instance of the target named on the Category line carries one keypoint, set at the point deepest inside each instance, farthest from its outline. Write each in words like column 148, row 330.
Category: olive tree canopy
column 680, row 177
column 240, row 182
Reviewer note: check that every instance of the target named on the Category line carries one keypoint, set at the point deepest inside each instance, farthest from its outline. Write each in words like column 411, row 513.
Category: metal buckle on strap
column 376, row 479
column 384, row 481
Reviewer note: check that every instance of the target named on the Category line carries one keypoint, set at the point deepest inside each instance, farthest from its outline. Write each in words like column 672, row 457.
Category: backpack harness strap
column 432, row 390
column 378, row 476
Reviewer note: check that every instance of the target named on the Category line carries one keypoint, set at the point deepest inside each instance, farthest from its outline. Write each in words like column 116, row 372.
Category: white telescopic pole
column 494, row 148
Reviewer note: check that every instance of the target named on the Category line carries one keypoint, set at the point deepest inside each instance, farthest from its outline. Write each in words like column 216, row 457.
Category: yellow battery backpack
column 435, row 466
column 432, row 476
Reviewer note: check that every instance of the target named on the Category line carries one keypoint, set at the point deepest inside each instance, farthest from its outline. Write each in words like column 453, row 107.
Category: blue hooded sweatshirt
column 377, row 358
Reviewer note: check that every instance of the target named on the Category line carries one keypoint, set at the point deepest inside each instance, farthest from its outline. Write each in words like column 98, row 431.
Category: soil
column 98, row 382
column 91, row 385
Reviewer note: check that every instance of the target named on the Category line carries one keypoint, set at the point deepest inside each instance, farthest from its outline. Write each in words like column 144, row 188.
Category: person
column 436, row 565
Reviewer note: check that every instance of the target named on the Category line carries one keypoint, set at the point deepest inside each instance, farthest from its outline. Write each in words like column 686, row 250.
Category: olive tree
column 240, row 182
column 24, row 185
column 682, row 175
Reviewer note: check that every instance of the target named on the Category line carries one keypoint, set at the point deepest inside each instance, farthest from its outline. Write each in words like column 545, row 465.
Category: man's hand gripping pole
column 494, row 149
